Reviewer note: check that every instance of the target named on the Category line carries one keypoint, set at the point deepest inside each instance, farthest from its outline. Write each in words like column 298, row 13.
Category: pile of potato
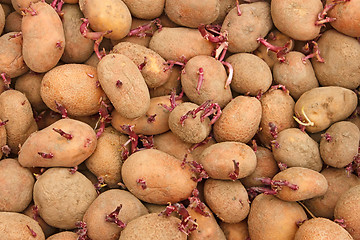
column 164, row 119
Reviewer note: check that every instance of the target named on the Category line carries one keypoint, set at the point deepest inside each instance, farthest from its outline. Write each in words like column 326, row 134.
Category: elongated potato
column 52, row 148
column 164, row 180
column 43, row 38
column 124, row 85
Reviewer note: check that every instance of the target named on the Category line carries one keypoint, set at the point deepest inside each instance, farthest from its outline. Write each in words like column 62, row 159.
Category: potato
column 324, row 106
column 62, row 197
column 43, row 38
column 213, row 85
column 2, row 19
column 78, row 48
column 207, row 228
column 124, row 85
column 309, row 182
column 191, row 14
column 341, row 66
column 17, row 184
column 339, row 145
column 16, row 110
column 339, row 182
column 321, row 229
column 266, row 167
column 297, row 18
column 64, row 236
column 93, row 60
column 153, row 69
column 46, row 118
column 152, row 226
column 296, row 76
column 145, row 9
column 14, row 226
column 18, row 5
column 273, row 219
column 171, row 84
column 191, row 130
column 251, row 74
column 243, row 31
column 224, row 9
column 30, row 84
column 347, row 19
column 180, row 43
column 239, row 120
column 347, row 208
column 165, row 179
column 81, row 97
column 106, row 161
column 13, row 22
column 218, row 160
column 297, row 149
column 235, row 231
column 2, row 140
column 227, row 199
column 107, row 15
column 105, row 204
column 32, row 212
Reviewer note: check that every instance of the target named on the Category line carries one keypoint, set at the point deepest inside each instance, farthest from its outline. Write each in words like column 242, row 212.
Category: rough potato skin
column 296, row 76
column 235, row 231
column 13, row 226
column 217, row 160
column 268, row 213
column 43, row 38
column 17, row 184
column 339, row 182
column 64, row 236
column 297, row 18
column 193, row 130
column 347, row 17
column 341, row 149
column 321, row 229
column 81, row 97
column 254, row 22
column 107, row 15
column 179, row 43
column 325, row 105
column 227, row 199
column 153, row 70
column 145, row 9
column 213, row 86
column 16, row 109
column 130, row 96
column 62, row 197
column 106, row 203
column 239, row 120
column 166, row 181
column 152, row 226
column 311, row 184
column 190, row 13
column 341, row 56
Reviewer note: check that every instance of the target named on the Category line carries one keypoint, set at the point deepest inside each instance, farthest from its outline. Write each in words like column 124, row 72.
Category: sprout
column 61, row 109
column 307, row 121
column 238, row 8
column 73, row 170
column 200, row 80
column 273, row 130
column 142, row 31
column 280, row 51
column 315, row 53
column 82, row 230
column 35, row 212
column 142, row 183
column 327, row 137
column 113, row 217
column 46, row 155
column 33, row 233
column 68, row 136
column 99, row 184
column 196, row 204
column 199, row 170
column 235, row 174
column 151, row 118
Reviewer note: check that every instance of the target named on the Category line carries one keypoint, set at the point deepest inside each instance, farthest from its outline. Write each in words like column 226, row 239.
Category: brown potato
column 13, row 22
column 224, row 8
column 32, row 212
column 98, row 228
column 2, row 139
column 21, row 4
column 124, row 85
column 62, row 197
column 171, row 84
column 43, row 38
column 165, row 179
column 243, row 31
column 2, row 19
column 235, row 231
column 145, row 9
column 81, row 97
column 64, row 236
column 239, row 120
column 347, row 17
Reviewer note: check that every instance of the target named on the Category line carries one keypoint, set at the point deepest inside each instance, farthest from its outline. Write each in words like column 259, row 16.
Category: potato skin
column 131, row 98
column 107, row 15
column 18, row 4
column 347, row 18
column 321, row 229
column 48, row 230
column 17, row 184
column 13, row 22
column 190, row 13
column 81, row 97
column 213, row 86
column 13, row 226
column 55, row 186
column 217, row 160
column 297, row 18
column 166, row 181
column 145, row 9
column 235, row 231
column 106, row 203
column 254, row 22
column 43, row 38
column 2, row 138
column 64, row 236
column 239, row 120
column 325, row 105
column 66, row 153
column 152, row 226
column 178, row 43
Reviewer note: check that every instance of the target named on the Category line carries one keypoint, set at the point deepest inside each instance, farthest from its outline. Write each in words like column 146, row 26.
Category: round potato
column 13, row 22
column 347, row 19
column 32, row 212
column 64, row 236
column 145, row 9
column 235, row 231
